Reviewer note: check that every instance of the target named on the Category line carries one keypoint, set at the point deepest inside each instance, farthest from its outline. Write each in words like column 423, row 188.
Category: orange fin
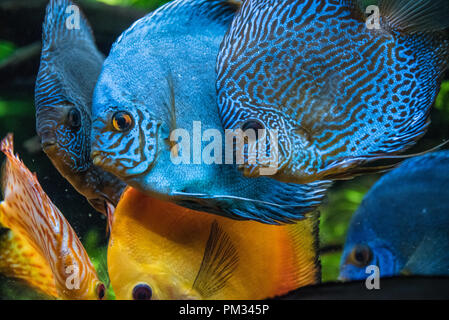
column 29, row 213
column 18, row 259
column 219, row 262
column 301, row 263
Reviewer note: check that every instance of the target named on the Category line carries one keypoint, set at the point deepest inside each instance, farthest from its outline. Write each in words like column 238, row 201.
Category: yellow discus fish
column 159, row 250
column 42, row 248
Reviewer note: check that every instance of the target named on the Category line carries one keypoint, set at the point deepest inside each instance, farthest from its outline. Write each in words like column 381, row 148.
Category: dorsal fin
column 184, row 14
column 70, row 61
column 64, row 21
column 197, row 11
column 407, row 16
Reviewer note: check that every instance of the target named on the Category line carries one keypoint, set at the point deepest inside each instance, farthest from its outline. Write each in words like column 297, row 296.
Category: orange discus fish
column 42, row 238
column 159, row 250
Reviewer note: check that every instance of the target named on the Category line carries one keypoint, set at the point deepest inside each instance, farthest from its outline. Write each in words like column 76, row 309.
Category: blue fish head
column 401, row 224
column 159, row 77
column 362, row 250
column 131, row 124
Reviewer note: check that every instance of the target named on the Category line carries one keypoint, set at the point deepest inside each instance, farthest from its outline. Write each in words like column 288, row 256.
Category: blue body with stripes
column 70, row 65
column 339, row 91
column 402, row 223
column 161, row 74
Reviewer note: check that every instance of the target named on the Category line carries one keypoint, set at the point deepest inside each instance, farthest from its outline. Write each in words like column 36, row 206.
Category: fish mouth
column 48, row 145
column 106, row 207
column 96, row 157
column 103, row 204
column 102, row 161
column 110, row 210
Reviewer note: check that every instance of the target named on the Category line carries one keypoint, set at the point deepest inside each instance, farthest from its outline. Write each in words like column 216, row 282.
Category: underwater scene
column 224, row 149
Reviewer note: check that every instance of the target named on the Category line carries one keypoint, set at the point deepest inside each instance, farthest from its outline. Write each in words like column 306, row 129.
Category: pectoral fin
column 219, row 262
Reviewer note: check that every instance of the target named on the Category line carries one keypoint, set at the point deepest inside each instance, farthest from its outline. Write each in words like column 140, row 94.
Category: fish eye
column 361, row 255
column 122, row 121
column 254, row 125
column 142, row 291
column 74, row 118
column 101, row 291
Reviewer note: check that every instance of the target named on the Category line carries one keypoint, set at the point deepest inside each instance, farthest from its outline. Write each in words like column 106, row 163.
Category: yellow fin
column 219, row 261
column 301, row 261
column 18, row 259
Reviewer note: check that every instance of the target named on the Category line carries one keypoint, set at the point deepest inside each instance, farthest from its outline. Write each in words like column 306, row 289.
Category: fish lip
column 104, row 202
column 110, row 210
column 97, row 157
column 47, row 145
column 95, row 154
column 97, row 160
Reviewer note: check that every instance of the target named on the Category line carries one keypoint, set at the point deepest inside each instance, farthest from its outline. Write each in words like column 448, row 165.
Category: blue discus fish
column 402, row 225
column 342, row 82
column 160, row 76
column 70, row 66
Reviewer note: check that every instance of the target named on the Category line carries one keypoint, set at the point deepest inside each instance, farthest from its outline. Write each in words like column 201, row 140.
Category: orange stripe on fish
column 30, row 214
column 160, row 250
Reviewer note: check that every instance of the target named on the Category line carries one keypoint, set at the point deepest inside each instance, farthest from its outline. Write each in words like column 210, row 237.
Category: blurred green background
column 17, row 115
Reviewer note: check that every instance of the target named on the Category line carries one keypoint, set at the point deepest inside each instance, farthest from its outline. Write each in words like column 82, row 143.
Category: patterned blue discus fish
column 402, row 225
column 341, row 87
column 160, row 76
column 70, row 66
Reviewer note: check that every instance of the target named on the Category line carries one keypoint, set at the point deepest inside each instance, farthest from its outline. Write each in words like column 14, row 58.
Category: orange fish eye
column 122, row 121
column 101, row 291
column 360, row 256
